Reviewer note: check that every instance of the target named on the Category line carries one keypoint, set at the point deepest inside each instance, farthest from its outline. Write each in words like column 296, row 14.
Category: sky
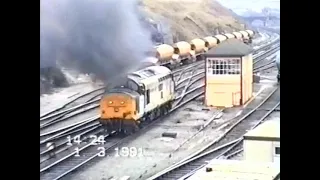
column 239, row 6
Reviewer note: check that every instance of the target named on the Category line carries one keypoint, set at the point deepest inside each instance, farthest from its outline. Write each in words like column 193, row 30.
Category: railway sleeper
column 265, row 109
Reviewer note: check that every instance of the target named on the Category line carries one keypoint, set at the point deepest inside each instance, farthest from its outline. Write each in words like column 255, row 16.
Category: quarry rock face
column 100, row 46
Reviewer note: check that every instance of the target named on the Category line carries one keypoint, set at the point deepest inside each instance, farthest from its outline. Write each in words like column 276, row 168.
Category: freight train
column 184, row 52
column 148, row 93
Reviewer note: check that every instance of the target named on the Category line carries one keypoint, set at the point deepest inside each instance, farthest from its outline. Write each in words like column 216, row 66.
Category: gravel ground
column 64, row 95
column 71, row 120
column 268, row 78
column 159, row 152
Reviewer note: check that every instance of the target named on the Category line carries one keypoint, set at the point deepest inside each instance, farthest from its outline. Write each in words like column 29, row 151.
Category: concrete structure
column 237, row 170
column 264, row 19
column 228, row 74
column 263, row 143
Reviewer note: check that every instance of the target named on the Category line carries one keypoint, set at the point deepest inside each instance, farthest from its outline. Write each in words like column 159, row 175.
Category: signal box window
column 223, row 66
column 277, row 150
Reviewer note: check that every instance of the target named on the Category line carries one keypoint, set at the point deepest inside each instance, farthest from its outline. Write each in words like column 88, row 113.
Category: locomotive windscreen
column 123, row 83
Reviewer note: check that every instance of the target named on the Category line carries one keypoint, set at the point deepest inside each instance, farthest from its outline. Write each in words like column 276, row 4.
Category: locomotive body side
column 159, row 89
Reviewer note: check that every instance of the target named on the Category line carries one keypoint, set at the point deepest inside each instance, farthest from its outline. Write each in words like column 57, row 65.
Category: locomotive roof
column 121, row 90
column 149, row 72
column 230, row 48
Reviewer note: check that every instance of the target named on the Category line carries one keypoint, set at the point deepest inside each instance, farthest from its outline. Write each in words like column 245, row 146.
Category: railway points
column 187, row 83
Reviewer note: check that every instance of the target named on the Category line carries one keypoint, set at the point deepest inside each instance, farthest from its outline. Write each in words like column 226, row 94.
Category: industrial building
column 262, row 144
column 229, row 74
column 261, row 161
column 219, row 169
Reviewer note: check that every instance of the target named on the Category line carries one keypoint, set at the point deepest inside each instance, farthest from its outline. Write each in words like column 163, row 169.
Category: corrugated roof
column 237, row 170
column 230, row 48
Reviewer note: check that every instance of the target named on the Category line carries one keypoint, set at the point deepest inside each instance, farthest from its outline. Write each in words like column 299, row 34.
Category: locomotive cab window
column 141, row 89
column 148, row 96
column 160, row 87
column 132, row 85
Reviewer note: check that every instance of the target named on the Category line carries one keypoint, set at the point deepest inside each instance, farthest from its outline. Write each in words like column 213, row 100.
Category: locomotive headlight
column 110, row 102
column 122, row 102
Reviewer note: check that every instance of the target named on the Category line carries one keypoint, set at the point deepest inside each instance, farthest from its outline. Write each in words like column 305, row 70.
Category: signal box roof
column 230, row 48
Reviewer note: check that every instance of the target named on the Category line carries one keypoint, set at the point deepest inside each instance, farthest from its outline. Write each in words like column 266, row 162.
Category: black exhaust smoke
column 100, row 37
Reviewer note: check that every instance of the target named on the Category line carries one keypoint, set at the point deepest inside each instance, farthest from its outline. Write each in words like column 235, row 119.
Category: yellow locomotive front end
column 119, row 111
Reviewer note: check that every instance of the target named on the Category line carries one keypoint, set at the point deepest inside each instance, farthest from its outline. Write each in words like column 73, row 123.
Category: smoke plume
column 100, row 37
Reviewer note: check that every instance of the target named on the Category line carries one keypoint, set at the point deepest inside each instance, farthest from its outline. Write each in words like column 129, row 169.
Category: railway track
column 72, row 105
column 266, row 66
column 272, row 37
column 192, row 75
column 89, row 97
column 227, row 145
column 85, row 126
column 262, row 64
column 67, row 163
column 267, row 53
column 88, row 151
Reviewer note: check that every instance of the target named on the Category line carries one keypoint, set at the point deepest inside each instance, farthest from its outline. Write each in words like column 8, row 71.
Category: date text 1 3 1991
column 100, row 140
